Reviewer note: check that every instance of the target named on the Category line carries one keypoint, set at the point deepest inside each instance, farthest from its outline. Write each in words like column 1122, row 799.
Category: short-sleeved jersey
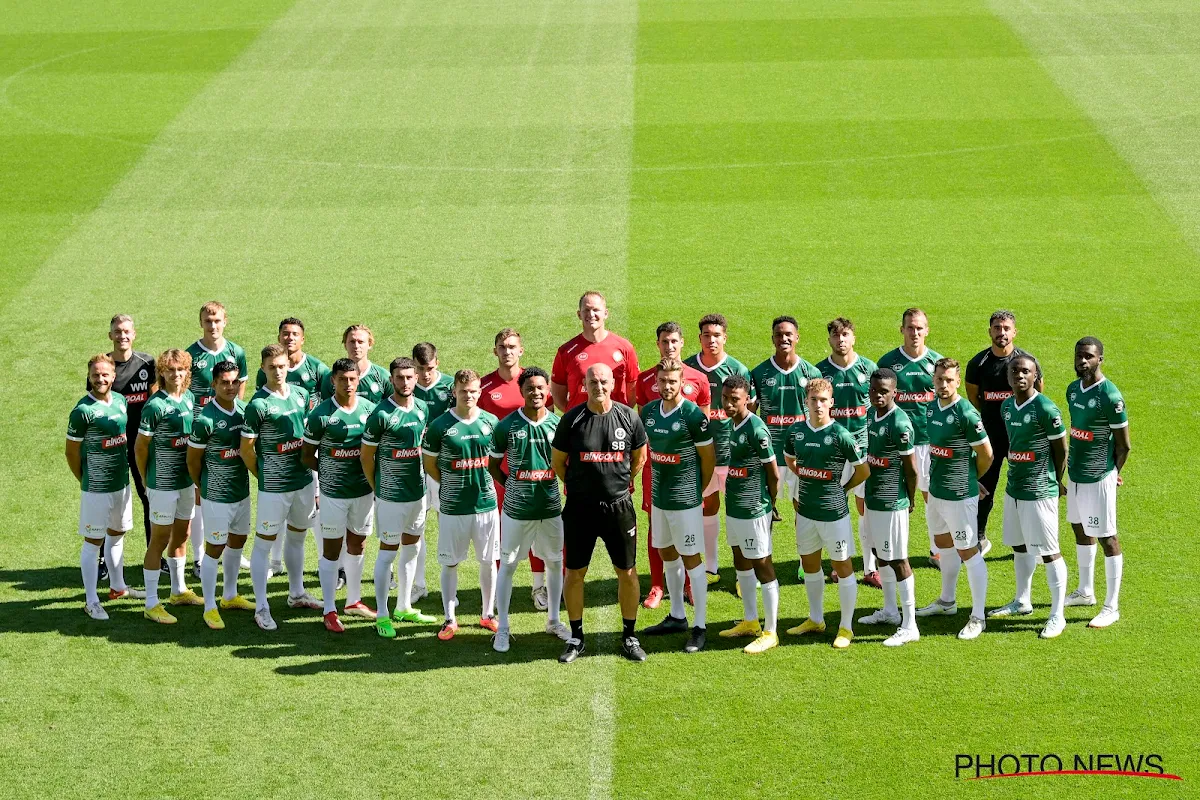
column 780, row 396
column 695, row 387
column 223, row 475
column 203, row 361
column 396, row 434
column 461, row 447
column 573, row 358
column 373, row 385
column 309, row 374
column 821, row 454
column 715, row 377
column 499, row 397
column 337, row 433
column 914, row 386
column 531, row 491
column 747, row 495
column 599, row 450
column 168, row 420
column 674, row 463
column 438, row 396
column 889, row 437
column 989, row 372
column 100, row 430
column 1096, row 411
column 1031, row 427
column 277, row 422
column 851, row 394
column 954, row 431
column 135, row 375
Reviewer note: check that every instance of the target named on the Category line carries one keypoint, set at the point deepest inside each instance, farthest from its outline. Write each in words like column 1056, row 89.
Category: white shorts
column 886, row 532
column 682, row 529
column 338, row 515
column 959, row 518
column 393, row 519
column 457, row 532
column 1094, row 506
column 1033, row 523
column 857, row 491
column 297, row 509
column 543, row 536
column 166, row 507
column 789, row 483
column 921, row 456
column 100, row 512
column 431, row 493
column 836, row 537
column 222, row 519
column 751, row 536
column 717, row 484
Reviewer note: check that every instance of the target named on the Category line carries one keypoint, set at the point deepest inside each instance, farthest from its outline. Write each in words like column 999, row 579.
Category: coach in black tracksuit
column 987, row 388
column 598, row 446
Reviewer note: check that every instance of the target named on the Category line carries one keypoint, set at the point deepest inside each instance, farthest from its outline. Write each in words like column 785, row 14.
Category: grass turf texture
column 440, row 171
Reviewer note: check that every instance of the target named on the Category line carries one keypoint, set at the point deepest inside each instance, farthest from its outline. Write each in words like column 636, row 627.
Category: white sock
column 419, row 579
column 114, row 556
column 699, row 595
column 951, row 564
column 1113, row 567
column 276, row 549
column 908, row 602
column 175, row 566
column 196, row 534
column 977, row 579
column 260, row 556
column 1023, row 565
column 674, row 574
column 327, row 571
column 354, row 570
column 848, row 597
column 89, row 565
column 887, row 579
column 407, row 571
column 150, row 577
column 293, row 559
column 487, row 587
column 1086, row 562
column 449, row 591
column 1056, row 579
column 770, row 593
column 712, row 533
column 504, row 586
column 208, row 583
column 231, row 565
column 814, row 587
column 539, row 579
column 554, row 589
column 749, row 586
column 383, row 580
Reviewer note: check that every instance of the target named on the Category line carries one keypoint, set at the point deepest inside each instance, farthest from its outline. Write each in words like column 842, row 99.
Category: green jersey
column 100, row 430
column 439, row 396
column 373, row 385
column 461, row 448
column 747, row 495
column 821, row 455
column 168, row 420
column 395, row 433
column 1031, row 427
column 780, row 396
column 223, row 476
column 673, row 437
column 1096, row 412
column 277, row 422
column 203, row 361
column 337, row 433
column 851, row 394
column 954, row 431
column 914, row 386
column 309, row 374
column 718, row 424
column 531, row 491
column 889, row 437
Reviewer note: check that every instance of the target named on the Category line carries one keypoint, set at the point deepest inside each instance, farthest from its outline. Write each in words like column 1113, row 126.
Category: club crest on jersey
column 1092, row 403
column 860, row 377
column 202, row 363
column 617, row 356
column 1028, row 418
column 485, row 428
column 620, row 433
column 143, row 374
column 828, row 439
column 742, row 439
column 221, row 424
column 687, row 388
column 675, row 426
column 304, row 376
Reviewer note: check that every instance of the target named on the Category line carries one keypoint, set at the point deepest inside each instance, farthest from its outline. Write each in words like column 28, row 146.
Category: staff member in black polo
column 597, row 447
column 987, row 388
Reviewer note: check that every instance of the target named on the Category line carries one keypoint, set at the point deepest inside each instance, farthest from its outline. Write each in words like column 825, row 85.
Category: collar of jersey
column 223, row 411
column 303, row 363
column 287, row 392
column 904, row 353
column 724, row 358
column 833, row 363
column 1083, row 388
column 107, row 402
column 454, row 414
column 350, row 410
column 823, row 427
column 433, row 385
column 521, row 411
column 666, row 413
column 888, row 414
column 943, row 408
column 1019, row 406
column 200, row 344
column 775, row 364
column 411, row 405
column 738, row 425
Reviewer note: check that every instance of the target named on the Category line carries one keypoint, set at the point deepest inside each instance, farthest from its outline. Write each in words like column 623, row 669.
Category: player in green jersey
column 750, row 487
column 391, row 463
column 303, row 370
column 1037, row 461
column 532, row 515
column 161, row 455
column 891, row 488
column 214, row 460
column 682, row 458
column 98, row 458
column 332, row 447
column 455, row 453
column 1099, row 447
column 960, row 452
column 817, row 451
column 272, row 441
column 437, row 390
column 373, row 381
column 779, row 384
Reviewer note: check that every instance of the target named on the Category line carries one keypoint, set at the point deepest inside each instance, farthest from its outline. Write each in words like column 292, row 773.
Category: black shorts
column 613, row 522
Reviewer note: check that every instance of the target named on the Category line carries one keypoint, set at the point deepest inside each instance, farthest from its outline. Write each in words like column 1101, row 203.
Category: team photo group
column 528, row 463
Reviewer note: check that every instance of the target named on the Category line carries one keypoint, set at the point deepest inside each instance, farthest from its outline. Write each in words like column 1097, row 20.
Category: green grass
column 443, row 170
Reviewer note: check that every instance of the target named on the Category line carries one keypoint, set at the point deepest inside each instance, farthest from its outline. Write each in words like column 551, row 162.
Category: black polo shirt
column 989, row 372
column 599, row 450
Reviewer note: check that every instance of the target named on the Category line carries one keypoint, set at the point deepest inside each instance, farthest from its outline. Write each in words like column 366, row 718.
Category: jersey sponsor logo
column 135, row 397
column 996, row 397
column 114, row 441
column 496, row 396
column 784, row 419
column 914, row 397
column 406, row 452
column 230, row 453
column 204, row 400
column 581, row 357
column 876, row 461
column 664, row 458
column 289, row 446
column 345, row 452
column 848, row 413
column 601, row 457
column 1022, row 456
column 717, row 413
column 1083, row 436
column 179, row 442
column 814, row 474
column 535, row 475
column 469, row 463
column 739, row 472
column 941, row 452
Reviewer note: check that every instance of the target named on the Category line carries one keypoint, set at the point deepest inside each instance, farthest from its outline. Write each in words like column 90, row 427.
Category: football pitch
column 440, row 170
